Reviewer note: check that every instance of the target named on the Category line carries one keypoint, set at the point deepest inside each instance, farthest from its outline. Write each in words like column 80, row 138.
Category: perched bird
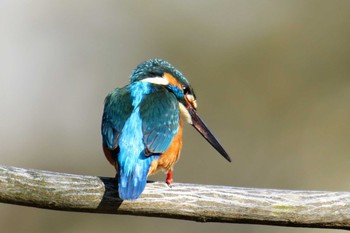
column 142, row 125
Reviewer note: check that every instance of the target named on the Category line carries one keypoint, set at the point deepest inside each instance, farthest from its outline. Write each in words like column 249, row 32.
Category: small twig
column 203, row 203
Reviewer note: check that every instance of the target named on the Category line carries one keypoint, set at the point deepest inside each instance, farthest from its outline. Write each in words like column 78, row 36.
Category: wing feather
column 117, row 109
column 160, row 116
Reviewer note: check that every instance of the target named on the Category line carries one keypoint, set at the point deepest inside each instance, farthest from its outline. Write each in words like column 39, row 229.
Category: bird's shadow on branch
column 110, row 199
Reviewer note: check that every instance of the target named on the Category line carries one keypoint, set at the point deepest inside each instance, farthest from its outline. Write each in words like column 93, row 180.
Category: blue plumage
column 118, row 108
column 160, row 116
column 132, row 162
column 139, row 118
column 156, row 67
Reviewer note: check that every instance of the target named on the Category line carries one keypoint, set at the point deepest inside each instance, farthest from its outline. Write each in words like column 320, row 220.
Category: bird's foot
column 169, row 178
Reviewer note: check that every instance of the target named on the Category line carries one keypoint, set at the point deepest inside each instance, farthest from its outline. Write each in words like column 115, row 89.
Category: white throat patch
column 185, row 114
column 156, row 80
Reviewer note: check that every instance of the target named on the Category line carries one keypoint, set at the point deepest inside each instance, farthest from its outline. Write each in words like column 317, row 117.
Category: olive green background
column 272, row 80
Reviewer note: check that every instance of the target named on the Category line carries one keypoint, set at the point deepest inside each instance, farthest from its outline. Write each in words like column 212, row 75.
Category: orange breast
column 167, row 160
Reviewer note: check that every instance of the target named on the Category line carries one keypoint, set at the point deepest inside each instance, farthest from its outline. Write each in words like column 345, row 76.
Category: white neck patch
column 156, row 80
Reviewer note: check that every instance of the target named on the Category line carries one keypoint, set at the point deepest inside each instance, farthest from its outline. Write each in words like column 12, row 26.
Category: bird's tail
column 132, row 183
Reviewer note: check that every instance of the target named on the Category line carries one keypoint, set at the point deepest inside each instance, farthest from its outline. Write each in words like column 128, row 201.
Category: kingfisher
column 142, row 125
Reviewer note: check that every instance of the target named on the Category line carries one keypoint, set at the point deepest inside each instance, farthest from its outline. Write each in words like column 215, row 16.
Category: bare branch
column 203, row 203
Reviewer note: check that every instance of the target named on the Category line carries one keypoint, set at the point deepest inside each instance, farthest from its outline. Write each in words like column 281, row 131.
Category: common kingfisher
column 142, row 125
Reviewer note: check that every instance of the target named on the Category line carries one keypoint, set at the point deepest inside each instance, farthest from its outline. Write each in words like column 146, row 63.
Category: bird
column 142, row 125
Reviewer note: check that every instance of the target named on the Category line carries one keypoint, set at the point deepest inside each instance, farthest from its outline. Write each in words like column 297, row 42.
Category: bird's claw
column 169, row 178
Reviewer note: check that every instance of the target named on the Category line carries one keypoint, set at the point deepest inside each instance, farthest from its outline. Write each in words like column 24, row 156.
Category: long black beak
column 199, row 125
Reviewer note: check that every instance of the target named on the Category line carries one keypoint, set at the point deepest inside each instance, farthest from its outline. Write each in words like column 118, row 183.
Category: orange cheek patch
column 172, row 80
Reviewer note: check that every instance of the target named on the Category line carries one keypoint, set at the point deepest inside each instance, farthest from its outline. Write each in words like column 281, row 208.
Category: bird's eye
column 186, row 89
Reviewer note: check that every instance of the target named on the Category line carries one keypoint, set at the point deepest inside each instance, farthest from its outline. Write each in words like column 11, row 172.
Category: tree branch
column 203, row 203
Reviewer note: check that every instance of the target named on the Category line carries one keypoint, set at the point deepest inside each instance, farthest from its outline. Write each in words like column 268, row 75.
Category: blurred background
column 272, row 80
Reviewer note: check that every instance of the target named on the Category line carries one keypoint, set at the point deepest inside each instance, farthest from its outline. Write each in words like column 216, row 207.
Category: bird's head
column 160, row 72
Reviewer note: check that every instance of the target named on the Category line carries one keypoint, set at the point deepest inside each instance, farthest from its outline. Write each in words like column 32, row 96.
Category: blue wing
column 117, row 109
column 160, row 115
